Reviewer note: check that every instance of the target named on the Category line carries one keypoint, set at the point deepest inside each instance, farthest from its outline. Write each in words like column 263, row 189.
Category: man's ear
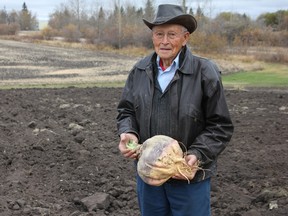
column 186, row 37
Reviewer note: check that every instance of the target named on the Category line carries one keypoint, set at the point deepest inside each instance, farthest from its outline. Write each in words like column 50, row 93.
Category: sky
column 252, row 8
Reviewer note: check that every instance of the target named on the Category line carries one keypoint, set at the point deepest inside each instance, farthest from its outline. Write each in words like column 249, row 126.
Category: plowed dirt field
column 58, row 147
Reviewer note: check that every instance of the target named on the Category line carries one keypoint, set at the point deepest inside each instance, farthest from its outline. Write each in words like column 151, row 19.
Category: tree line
column 122, row 26
column 12, row 22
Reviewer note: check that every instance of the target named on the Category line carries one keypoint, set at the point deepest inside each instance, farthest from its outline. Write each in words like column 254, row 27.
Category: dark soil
column 58, row 146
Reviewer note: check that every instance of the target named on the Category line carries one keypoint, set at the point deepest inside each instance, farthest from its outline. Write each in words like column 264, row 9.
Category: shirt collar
column 175, row 62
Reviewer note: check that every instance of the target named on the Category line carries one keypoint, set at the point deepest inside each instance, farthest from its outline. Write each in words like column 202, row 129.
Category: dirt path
column 58, row 147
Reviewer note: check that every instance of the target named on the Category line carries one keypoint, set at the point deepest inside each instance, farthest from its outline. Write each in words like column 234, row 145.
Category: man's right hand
column 124, row 139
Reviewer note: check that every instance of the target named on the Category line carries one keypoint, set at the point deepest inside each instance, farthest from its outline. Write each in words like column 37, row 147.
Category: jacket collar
column 185, row 61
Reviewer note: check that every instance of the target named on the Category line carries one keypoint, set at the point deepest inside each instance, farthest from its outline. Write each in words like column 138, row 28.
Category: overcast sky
column 252, row 8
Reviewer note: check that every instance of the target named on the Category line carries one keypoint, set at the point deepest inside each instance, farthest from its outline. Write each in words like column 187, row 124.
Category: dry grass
column 239, row 54
column 110, row 73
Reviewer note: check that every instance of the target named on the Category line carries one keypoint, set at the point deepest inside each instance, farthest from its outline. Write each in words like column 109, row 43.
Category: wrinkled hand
column 192, row 161
column 124, row 139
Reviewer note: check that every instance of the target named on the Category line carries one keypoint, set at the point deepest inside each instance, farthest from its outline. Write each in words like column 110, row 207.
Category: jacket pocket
column 195, row 114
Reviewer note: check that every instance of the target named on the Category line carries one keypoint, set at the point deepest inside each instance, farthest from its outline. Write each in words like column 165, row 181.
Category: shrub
column 71, row 33
column 89, row 34
column 48, row 33
column 203, row 42
column 272, row 57
column 9, row 29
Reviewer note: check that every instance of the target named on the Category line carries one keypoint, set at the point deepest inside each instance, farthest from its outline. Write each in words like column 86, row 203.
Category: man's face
column 168, row 39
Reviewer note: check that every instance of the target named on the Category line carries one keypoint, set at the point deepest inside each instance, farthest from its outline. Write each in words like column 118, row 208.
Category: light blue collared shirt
column 165, row 77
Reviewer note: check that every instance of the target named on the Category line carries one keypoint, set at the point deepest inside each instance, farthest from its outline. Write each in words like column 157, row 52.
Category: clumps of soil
column 59, row 155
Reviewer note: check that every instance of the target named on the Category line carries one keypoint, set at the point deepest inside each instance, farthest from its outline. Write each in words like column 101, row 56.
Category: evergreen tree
column 149, row 10
column 3, row 16
column 101, row 22
column 184, row 6
column 24, row 8
column 26, row 20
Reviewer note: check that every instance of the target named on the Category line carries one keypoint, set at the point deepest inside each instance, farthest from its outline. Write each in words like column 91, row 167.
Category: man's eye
column 171, row 34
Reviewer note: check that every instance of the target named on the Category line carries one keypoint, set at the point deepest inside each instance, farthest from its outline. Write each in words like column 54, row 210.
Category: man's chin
column 164, row 55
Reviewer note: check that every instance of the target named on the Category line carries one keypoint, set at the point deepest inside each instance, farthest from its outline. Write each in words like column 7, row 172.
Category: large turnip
column 161, row 157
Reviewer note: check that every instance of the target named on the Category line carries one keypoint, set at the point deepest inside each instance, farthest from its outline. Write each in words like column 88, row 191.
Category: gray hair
column 184, row 29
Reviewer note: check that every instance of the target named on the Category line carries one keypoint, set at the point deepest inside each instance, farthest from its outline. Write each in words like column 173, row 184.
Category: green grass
column 274, row 75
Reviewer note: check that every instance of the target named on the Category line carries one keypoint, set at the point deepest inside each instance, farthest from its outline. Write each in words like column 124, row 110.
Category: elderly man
column 174, row 93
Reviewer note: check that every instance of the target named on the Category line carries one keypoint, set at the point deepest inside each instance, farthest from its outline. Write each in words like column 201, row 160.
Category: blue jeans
column 175, row 198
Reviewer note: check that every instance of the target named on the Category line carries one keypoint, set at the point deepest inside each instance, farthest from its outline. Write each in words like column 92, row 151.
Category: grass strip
column 274, row 75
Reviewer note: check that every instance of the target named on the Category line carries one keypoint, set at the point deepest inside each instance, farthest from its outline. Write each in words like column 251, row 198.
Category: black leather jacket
column 201, row 119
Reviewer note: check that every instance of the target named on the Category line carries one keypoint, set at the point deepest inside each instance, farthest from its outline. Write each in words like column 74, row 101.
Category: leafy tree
column 123, row 26
column 231, row 24
column 13, row 17
column 277, row 20
column 224, row 17
column 284, row 24
column 78, row 10
column 60, row 18
column 6, row 27
column 271, row 19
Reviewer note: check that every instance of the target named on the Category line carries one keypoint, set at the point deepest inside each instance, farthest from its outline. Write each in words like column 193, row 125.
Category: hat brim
column 187, row 21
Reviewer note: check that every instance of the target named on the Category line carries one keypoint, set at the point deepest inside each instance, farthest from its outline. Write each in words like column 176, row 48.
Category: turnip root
column 161, row 158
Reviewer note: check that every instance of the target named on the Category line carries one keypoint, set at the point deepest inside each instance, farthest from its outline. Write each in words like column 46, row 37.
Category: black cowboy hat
column 172, row 14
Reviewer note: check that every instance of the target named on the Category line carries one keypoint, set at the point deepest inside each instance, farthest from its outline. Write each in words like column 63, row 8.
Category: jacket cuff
column 196, row 153
column 132, row 132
